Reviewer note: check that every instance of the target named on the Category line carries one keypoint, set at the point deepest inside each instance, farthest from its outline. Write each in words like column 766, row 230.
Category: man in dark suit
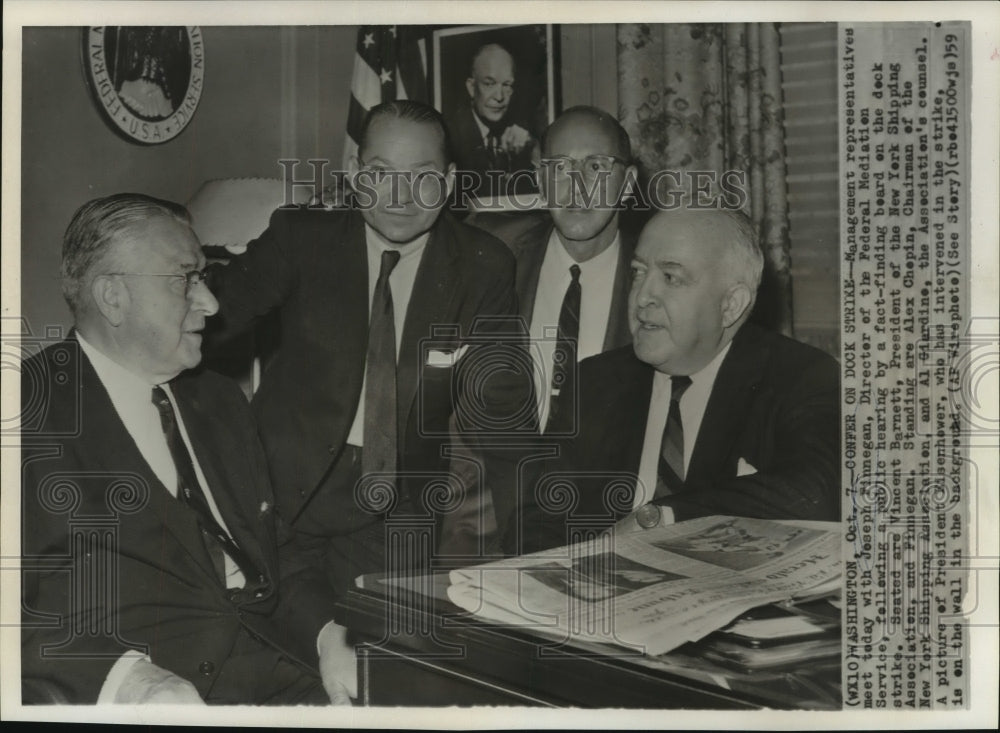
column 705, row 414
column 573, row 272
column 149, row 539
column 355, row 409
column 483, row 135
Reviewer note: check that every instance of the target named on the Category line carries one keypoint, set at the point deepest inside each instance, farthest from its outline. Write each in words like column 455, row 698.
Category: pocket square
column 445, row 358
column 744, row 469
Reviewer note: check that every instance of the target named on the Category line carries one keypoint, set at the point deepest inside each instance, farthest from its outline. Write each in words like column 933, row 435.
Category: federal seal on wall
column 146, row 80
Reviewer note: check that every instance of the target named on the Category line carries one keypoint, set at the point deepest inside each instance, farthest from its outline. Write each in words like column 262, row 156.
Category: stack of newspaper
column 654, row 590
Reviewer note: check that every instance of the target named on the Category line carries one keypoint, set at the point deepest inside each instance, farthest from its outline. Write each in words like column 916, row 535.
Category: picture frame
column 495, row 132
column 145, row 80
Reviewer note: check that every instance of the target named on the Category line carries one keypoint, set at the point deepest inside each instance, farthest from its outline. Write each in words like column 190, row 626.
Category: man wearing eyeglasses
column 150, row 558
column 572, row 278
column 573, row 272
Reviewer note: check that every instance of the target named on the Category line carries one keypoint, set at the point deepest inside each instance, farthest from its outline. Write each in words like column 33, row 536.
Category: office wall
column 268, row 93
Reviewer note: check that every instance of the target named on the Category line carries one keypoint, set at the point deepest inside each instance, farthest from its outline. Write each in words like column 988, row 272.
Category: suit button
column 235, row 595
column 206, row 668
column 331, row 448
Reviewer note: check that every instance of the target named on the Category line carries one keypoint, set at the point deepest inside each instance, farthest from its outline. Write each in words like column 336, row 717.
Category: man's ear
column 110, row 297
column 449, row 179
column 470, row 87
column 735, row 303
column 353, row 166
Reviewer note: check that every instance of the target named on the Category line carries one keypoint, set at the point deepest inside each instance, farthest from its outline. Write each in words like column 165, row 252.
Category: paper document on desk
column 654, row 590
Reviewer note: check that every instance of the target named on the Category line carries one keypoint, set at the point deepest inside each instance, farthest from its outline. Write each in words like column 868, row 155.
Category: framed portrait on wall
column 495, row 86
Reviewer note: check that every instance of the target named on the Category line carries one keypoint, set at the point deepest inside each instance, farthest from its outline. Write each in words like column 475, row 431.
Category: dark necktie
column 493, row 149
column 190, row 492
column 380, row 431
column 564, row 357
column 670, row 476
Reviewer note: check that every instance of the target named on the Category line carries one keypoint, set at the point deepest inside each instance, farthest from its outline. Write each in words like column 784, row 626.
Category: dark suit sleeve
column 53, row 611
column 255, row 282
column 305, row 598
column 801, row 476
column 504, row 393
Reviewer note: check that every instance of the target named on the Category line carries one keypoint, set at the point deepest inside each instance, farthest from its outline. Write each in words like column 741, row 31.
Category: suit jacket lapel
column 618, row 332
column 529, row 266
column 351, row 258
column 107, row 445
column 433, row 293
column 226, row 473
column 728, row 405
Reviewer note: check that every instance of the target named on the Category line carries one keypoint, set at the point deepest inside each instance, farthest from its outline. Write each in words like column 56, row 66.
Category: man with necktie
column 572, row 276
column 704, row 413
column 385, row 310
column 149, row 539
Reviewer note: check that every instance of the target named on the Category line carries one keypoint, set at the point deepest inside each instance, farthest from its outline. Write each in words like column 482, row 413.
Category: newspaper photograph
column 478, row 365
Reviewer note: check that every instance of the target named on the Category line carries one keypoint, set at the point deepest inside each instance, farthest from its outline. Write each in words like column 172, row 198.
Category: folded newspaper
column 654, row 590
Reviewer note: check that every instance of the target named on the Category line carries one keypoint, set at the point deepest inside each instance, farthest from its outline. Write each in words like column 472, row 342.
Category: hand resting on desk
column 338, row 664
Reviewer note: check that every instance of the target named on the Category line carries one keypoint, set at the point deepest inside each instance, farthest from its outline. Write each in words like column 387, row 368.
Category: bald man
column 572, row 267
column 483, row 134
column 705, row 413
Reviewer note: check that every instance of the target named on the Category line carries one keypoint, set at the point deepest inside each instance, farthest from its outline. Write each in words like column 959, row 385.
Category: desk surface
column 420, row 650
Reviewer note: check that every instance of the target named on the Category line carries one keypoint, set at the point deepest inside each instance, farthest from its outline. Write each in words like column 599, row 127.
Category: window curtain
column 707, row 96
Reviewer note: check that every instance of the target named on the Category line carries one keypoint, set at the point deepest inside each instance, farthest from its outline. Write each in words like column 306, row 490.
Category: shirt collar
column 113, row 374
column 130, row 394
column 378, row 245
column 706, row 376
column 606, row 259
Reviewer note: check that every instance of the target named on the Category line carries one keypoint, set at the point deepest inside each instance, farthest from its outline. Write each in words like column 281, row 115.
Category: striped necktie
column 670, row 474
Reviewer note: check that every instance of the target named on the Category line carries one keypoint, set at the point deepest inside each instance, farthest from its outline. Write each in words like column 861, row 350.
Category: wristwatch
column 648, row 516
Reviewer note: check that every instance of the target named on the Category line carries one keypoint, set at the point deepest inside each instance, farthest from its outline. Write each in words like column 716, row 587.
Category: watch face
column 147, row 80
column 648, row 516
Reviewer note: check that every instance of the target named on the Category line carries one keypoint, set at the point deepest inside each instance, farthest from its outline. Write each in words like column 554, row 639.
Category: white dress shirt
column 401, row 281
column 692, row 406
column 597, row 284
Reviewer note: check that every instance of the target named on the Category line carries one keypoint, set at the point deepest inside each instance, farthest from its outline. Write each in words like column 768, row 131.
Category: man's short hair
column 599, row 116
column 412, row 111
column 745, row 249
column 95, row 226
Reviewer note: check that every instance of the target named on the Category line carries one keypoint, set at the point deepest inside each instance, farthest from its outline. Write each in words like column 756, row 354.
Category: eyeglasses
column 591, row 168
column 191, row 279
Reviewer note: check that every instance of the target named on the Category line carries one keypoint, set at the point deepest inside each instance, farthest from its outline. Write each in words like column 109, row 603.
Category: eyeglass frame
column 577, row 164
column 192, row 278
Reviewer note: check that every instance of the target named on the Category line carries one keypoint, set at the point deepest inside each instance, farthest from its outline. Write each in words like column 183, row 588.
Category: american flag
column 390, row 62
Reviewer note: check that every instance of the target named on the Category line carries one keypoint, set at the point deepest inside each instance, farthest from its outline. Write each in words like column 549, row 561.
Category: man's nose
column 645, row 293
column 404, row 192
column 203, row 300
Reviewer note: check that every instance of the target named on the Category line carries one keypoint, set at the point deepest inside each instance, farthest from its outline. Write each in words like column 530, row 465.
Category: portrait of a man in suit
column 704, row 413
column 492, row 89
column 492, row 141
column 149, row 535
